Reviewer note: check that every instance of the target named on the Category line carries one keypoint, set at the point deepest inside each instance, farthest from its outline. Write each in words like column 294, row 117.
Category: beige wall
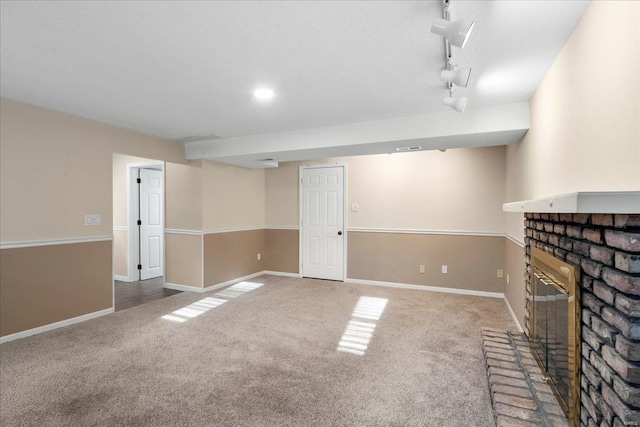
column 514, row 266
column 459, row 190
column 417, row 190
column 184, row 196
column 232, row 197
column 120, row 253
column 282, row 194
column 585, row 115
column 472, row 261
column 183, row 252
column 55, row 168
column 48, row 284
column 585, row 124
column 281, row 251
column 183, row 259
column 120, row 185
column 228, row 256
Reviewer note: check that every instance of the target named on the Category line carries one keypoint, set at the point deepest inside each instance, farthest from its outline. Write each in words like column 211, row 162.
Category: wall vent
column 411, row 148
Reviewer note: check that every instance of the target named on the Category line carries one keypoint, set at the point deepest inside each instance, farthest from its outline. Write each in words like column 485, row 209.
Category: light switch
column 355, row 207
column 92, row 219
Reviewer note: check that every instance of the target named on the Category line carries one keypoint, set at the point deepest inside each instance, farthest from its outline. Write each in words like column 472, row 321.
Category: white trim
column 513, row 315
column 151, row 164
column 233, row 281
column 120, row 278
column 183, row 288
column 282, row 273
column 54, row 242
column 282, row 227
column 231, row 230
column 514, row 240
column 345, row 197
column 55, row 325
column 425, row 231
column 120, row 228
column 427, row 288
column 181, row 231
column 606, row 202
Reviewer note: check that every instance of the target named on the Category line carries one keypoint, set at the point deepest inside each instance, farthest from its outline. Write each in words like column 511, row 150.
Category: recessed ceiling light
column 263, row 93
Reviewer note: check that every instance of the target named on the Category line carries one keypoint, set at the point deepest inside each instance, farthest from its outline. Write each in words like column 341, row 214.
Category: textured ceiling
column 184, row 69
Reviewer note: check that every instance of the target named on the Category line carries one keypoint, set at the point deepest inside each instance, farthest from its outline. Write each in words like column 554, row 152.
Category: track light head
column 458, row 104
column 457, row 32
column 458, row 77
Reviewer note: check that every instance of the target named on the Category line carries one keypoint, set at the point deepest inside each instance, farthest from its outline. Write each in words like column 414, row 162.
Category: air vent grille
column 411, row 148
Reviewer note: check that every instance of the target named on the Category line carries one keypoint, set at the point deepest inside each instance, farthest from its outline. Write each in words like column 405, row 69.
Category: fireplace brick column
column 607, row 249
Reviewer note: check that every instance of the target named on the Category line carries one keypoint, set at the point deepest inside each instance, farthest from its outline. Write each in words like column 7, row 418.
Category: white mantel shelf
column 611, row 202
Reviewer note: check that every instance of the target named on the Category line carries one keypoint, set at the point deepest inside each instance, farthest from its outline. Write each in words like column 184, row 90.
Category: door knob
column 339, row 233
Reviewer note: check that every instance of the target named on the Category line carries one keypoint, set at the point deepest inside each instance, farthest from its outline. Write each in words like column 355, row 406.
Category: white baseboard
column 232, row 281
column 427, row 288
column 183, row 288
column 55, row 325
column 120, row 278
column 281, row 273
column 513, row 315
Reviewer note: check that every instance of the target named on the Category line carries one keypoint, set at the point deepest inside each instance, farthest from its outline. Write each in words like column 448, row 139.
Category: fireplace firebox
column 555, row 338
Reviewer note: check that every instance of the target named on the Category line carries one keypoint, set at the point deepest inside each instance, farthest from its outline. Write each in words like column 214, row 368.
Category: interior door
column 323, row 223
column 151, row 223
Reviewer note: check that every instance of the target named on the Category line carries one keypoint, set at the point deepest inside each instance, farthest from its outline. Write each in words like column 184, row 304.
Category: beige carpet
column 278, row 354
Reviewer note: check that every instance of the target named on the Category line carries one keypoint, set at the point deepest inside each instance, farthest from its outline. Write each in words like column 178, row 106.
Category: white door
column 323, row 223
column 151, row 223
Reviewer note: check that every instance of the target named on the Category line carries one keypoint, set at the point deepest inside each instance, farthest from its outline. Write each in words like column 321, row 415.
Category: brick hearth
column 520, row 397
column 607, row 249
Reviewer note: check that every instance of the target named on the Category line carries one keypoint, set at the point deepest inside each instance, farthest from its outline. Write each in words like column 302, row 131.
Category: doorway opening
column 139, row 224
column 323, row 238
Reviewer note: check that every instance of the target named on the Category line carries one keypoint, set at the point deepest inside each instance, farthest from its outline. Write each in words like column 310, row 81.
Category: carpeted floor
column 287, row 353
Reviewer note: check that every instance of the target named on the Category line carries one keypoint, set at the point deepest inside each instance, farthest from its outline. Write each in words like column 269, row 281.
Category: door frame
column 344, row 214
column 133, row 257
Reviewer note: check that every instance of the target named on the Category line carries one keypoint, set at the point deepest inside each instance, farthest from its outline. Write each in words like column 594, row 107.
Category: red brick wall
column 607, row 249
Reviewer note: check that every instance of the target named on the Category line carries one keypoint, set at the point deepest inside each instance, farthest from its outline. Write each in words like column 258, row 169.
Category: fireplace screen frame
column 566, row 279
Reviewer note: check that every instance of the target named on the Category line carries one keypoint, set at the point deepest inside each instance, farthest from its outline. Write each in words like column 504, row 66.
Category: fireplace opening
column 555, row 339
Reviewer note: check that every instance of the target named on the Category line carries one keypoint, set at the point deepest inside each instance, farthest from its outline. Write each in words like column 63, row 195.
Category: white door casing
column 152, row 223
column 322, row 222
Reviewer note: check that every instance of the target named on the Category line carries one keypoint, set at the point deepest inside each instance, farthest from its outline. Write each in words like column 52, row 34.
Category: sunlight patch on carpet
column 194, row 310
column 358, row 333
column 238, row 289
column 370, row 308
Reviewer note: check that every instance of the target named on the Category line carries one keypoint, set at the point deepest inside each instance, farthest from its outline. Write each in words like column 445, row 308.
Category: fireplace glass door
column 551, row 339
column 555, row 334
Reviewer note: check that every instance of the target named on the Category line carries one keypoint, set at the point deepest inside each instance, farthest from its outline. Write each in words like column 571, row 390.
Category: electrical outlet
column 500, row 274
column 355, row 207
column 259, row 256
column 444, row 269
column 422, row 269
column 92, row 219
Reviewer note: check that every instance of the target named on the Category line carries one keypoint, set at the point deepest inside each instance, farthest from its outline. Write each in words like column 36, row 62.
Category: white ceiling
column 185, row 69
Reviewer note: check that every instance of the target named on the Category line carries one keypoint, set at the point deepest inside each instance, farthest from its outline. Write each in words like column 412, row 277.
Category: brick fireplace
column 606, row 247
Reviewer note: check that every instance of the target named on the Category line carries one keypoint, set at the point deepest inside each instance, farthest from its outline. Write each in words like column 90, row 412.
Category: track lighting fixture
column 458, row 104
column 455, row 33
column 459, row 77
